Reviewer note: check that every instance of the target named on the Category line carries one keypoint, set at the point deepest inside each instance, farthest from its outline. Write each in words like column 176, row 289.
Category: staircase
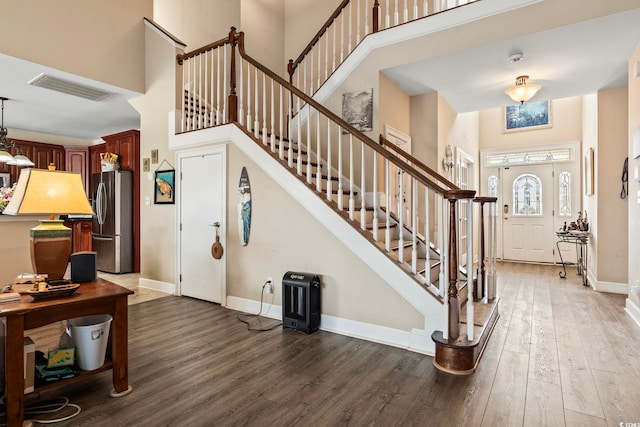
column 350, row 174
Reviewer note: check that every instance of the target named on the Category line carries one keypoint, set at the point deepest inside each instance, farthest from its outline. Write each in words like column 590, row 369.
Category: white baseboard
column 633, row 310
column 610, row 287
column 416, row 340
column 156, row 285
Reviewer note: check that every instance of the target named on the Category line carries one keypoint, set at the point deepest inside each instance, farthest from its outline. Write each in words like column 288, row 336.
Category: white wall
column 590, row 203
column 634, row 186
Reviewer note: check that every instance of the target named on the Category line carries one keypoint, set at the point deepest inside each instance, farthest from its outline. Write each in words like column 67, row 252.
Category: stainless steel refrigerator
column 112, row 197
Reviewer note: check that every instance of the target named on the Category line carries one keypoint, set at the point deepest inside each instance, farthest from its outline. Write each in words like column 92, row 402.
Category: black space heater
column 301, row 301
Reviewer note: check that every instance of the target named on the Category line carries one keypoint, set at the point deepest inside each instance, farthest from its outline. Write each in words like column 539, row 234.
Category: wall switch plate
column 147, row 200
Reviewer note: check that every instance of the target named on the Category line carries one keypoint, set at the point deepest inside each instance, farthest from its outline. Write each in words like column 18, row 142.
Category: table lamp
column 51, row 192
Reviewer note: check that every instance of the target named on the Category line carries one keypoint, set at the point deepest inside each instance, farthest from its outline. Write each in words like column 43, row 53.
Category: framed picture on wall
column 357, row 110
column 588, row 172
column 527, row 116
column 164, row 187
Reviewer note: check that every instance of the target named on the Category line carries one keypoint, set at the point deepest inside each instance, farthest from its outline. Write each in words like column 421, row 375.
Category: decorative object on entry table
column 357, row 110
column 244, row 207
column 5, row 196
column 109, row 162
column 164, row 185
column 579, row 225
column 529, row 116
column 41, row 192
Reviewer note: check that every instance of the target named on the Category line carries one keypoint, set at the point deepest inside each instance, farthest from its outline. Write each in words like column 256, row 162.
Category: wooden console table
column 99, row 297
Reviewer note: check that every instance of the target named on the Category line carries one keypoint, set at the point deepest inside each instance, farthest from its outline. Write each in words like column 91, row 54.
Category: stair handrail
column 379, row 20
column 449, row 192
column 292, row 65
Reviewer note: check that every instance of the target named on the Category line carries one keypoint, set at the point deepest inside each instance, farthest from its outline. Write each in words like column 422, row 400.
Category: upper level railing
column 351, row 22
column 355, row 175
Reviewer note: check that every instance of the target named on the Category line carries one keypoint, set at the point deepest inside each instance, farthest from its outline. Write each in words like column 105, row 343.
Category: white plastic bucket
column 90, row 335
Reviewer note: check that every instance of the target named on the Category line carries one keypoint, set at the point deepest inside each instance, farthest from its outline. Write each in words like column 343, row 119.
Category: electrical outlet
column 269, row 285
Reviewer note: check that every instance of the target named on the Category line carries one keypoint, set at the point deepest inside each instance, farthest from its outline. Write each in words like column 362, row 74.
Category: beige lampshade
column 41, row 191
column 5, row 156
column 522, row 91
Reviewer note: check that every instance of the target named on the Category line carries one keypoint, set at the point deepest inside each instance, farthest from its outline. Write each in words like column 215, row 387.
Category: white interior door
column 462, row 181
column 527, row 212
column 202, row 203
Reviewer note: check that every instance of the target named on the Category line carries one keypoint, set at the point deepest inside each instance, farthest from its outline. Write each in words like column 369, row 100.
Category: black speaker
column 301, row 301
column 83, row 267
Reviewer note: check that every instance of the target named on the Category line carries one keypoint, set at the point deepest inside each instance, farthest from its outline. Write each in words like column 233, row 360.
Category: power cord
column 242, row 317
column 49, row 407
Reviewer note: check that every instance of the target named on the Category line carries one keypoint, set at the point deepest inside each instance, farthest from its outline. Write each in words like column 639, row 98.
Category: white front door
column 202, row 204
column 527, row 212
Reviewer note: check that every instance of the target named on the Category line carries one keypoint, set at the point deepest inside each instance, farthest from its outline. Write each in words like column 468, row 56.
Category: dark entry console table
column 581, row 241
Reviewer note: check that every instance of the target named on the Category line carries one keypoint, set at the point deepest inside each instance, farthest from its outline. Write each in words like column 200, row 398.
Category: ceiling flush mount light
column 522, row 91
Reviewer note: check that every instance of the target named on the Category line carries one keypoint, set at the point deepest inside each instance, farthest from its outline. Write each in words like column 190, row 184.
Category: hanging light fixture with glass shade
column 522, row 91
column 6, row 145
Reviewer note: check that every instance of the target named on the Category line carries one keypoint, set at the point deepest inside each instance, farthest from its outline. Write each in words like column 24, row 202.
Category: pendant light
column 5, row 156
column 522, row 91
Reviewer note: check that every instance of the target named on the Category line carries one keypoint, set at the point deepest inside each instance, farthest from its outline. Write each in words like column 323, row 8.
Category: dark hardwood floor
column 561, row 354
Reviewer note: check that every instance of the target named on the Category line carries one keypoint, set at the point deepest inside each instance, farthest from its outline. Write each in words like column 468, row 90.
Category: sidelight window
column 565, row 193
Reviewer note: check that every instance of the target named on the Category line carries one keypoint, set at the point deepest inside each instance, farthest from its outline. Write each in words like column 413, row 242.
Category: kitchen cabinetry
column 39, row 153
column 77, row 160
column 127, row 146
column 81, row 237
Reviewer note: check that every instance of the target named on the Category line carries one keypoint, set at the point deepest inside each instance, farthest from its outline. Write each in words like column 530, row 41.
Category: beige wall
column 566, row 126
column 612, row 210
column 79, row 37
column 303, row 19
column 284, row 236
column 590, row 203
column 197, row 22
column 634, row 186
column 263, row 22
column 395, row 108
column 424, row 128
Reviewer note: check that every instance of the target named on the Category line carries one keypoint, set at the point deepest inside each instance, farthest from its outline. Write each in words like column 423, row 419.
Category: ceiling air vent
column 69, row 87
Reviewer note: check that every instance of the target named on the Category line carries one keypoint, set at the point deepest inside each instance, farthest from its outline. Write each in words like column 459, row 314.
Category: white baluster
column 264, row 109
column 198, row 105
column 444, row 266
column 341, row 37
column 350, row 28
column 427, row 236
column 272, row 115
column 351, row 190
column 405, row 12
column 205, row 111
column 318, row 156
column 363, row 207
column 358, row 23
column 289, row 122
column 182, row 95
column 387, row 17
column 329, row 182
column 375, row 196
column 308, row 145
column 304, row 77
column 401, row 218
column 387, row 232
column 414, row 226
column 319, row 64
column 340, row 192
column 469, row 269
column 366, row 19
column 415, row 9
column 333, row 66
column 249, row 118
column 281, row 127
column 299, row 159
column 326, row 56
column 425, row 8
column 241, row 97
column 224, row 117
column 396, row 15
column 256, row 116
column 212, row 86
column 311, row 68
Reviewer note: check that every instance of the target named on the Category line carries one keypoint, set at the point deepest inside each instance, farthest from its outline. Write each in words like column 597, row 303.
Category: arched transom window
column 527, row 195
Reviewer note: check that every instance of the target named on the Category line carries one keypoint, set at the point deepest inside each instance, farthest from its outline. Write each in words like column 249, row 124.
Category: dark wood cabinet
column 127, row 146
column 77, row 160
column 41, row 154
column 81, row 237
